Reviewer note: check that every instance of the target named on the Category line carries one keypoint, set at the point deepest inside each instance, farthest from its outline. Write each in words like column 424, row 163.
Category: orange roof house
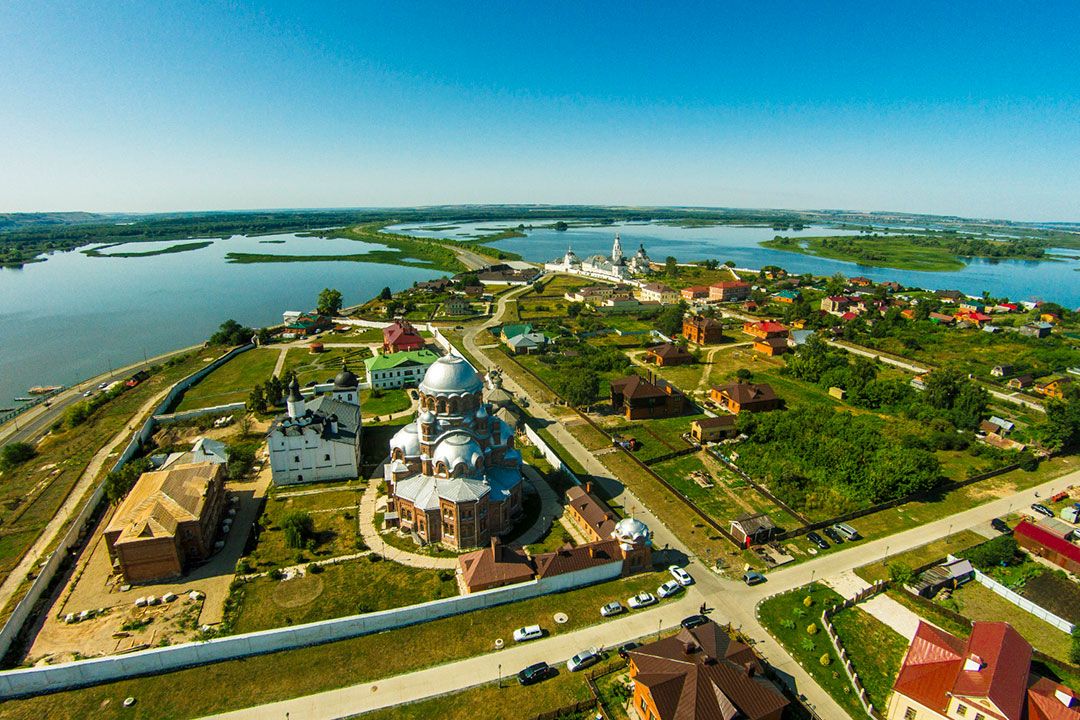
column 765, row 329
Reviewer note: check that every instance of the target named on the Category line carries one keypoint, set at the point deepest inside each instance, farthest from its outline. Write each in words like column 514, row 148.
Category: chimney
column 689, row 647
column 1064, row 696
column 751, row 668
column 592, row 551
column 588, row 487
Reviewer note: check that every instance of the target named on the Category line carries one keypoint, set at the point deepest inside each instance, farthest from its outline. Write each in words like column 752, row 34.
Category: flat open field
column 233, row 381
column 322, row 367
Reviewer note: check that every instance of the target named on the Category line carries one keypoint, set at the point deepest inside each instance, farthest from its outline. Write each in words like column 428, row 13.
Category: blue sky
column 953, row 108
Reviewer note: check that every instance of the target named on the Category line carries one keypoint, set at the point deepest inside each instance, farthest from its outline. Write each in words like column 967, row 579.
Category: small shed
column 753, row 529
column 951, row 574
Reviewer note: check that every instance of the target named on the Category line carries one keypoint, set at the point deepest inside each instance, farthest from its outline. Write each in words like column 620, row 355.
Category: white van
column 847, row 531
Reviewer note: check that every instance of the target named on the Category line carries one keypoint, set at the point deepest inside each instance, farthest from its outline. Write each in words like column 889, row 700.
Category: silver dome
column 407, row 440
column 451, row 375
column 632, row 530
column 456, row 449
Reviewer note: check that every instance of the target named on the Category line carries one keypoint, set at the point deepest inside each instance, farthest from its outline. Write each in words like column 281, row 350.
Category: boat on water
column 44, row 389
column 25, row 399
column 5, row 410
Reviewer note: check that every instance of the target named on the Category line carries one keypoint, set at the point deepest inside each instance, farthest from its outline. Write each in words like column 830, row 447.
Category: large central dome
column 451, row 375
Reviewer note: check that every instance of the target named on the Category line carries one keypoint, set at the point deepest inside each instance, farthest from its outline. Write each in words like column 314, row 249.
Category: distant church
column 319, row 439
column 616, row 268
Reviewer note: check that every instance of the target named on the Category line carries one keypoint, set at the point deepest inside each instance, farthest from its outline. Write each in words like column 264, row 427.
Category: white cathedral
column 616, row 268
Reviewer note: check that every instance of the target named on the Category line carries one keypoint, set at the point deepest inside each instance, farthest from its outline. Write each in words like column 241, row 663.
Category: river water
column 1016, row 279
column 74, row 316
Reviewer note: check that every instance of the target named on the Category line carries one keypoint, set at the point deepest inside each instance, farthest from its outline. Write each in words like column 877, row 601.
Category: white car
column 681, row 576
column 582, row 660
column 531, row 632
column 612, row 608
column 668, row 589
column 641, row 600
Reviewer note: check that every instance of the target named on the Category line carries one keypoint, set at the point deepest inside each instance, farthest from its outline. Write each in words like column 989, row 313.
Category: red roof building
column 1040, row 541
column 401, row 336
column 765, row 329
column 729, row 291
column 988, row 675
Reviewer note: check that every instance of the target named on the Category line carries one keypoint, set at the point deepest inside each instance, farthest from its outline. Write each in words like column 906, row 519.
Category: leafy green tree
column 256, row 401
column 671, row 266
column 1062, row 428
column 298, row 528
column 264, row 336
column 579, row 388
column 274, row 390
column 992, row 553
column 900, row 573
column 231, row 332
column 118, row 483
column 385, row 294
column 329, row 302
column 15, row 453
column 241, row 460
column 836, row 284
column 1074, row 650
column 669, row 320
column 970, row 406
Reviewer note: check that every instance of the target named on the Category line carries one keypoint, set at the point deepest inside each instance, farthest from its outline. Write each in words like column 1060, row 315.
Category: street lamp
column 500, row 674
column 885, row 556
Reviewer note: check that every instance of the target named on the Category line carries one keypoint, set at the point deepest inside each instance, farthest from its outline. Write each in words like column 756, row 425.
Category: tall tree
column 329, row 302
column 580, row 388
column 671, row 267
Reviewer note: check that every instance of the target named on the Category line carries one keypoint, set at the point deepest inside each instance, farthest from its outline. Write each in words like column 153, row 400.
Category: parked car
column 625, row 648
column 668, row 589
column 530, row 632
column 681, row 576
column 753, row 578
column 1042, row 509
column 582, row 660
column 102, row 386
column 535, row 673
column 641, row 600
column 1000, row 525
column 88, row 393
column 612, row 608
column 817, row 540
column 693, row 621
column 833, row 534
column 847, row 531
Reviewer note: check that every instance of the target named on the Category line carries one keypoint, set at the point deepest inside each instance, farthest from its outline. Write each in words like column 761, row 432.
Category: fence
column 855, row 514
column 761, row 490
column 198, row 412
column 1022, row 602
column 80, row 528
column 50, row 678
column 841, row 652
column 550, row 454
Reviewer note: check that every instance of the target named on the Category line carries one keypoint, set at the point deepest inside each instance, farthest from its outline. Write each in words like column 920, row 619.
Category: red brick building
column 668, row 354
column 636, row 398
column 765, row 329
column 400, row 336
column 729, row 291
column 702, row 330
column 750, row 397
column 1046, row 544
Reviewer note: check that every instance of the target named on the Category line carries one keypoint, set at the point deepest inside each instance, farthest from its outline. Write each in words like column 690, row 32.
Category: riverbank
column 927, row 253
column 172, row 249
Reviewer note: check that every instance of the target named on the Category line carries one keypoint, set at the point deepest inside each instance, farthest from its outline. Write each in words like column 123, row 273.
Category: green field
column 266, row 678
column 875, row 649
column 349, row 588
column 334, row 514
column 379, row 403
column 233, row 381
column 322, row 367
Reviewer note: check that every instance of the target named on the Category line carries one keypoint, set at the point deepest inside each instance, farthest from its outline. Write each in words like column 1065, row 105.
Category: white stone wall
column 30, row 681
column 307, row 458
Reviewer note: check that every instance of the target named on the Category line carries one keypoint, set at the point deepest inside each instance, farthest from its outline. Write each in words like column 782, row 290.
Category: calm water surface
column 74, row 316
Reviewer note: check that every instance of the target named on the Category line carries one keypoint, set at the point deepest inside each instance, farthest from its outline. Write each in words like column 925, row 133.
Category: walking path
column 455, row 676
column 881, row 606
column 280, row 365
column 550, row 509
column 372, row 538
column 73, row 501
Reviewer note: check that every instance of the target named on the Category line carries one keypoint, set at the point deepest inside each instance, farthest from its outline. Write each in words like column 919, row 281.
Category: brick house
column 737, row 397
column 695, row 292
column 400, row 336
column 988, row 676
column 702, row 330
column 836, row 304
column 771, row 346
column 1054, row 388
column 636, row 398
column 729, row 291
column 702, row 673
column 712, row 429
column 668, row 354
column 658, row 292
column 1041, row 541
column 591, row 514
column 765, row 329
column 166, row 524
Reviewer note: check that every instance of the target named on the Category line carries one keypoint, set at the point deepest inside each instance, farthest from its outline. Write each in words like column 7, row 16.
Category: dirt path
column 73, row 501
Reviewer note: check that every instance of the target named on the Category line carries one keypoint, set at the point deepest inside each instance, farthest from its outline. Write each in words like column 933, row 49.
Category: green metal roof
column 509, row 331
column 393, row 360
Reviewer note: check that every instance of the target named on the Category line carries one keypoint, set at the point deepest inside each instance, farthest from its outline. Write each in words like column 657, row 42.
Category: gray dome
column 451, row 375
column 457, row 448
column 631, row 530
column 407, row 440
column 345, row 380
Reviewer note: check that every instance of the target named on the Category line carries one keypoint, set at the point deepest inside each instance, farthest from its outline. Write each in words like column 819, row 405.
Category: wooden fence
column 841, row 652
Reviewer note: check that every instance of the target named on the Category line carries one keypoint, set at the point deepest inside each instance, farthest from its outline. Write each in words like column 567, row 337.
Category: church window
column 326, row 457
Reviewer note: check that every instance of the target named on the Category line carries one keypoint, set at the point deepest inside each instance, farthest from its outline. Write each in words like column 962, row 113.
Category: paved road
column 30, row 425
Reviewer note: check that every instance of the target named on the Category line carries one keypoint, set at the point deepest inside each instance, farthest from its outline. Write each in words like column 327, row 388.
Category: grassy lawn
column 356, row 335
column 233, row 381
column 921, row 555
column 511, row 701
column 357, row 586
column 981, row 603
column 234, row 684
column 658, row 437
column 334, row 514
column 892, row 251
column 875, row 649
column 787, row 618
column 729, row 498
column 386, row 402
column 322, row 367
column 31, row 493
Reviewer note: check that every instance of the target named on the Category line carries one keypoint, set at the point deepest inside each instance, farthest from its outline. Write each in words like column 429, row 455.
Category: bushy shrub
column 825, row 660
column 812, row 629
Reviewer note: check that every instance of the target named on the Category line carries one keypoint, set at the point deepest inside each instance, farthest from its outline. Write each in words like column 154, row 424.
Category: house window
column 961, row 709
column 980, row 716
column 326, row 457
column 909, row 714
